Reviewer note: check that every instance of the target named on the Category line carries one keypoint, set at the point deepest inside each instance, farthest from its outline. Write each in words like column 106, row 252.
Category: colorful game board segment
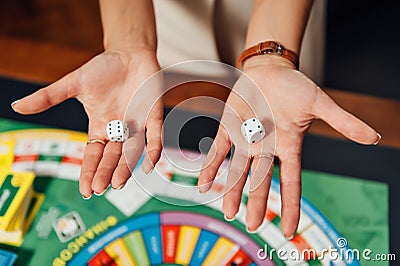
column 182, row 238
column 49, row 152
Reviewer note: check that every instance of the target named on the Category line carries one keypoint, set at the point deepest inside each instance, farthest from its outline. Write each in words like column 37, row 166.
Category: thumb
column 49, row 96
column 344, row 122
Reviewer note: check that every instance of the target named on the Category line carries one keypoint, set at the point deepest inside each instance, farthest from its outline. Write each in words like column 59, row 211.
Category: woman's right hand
column 104, row 86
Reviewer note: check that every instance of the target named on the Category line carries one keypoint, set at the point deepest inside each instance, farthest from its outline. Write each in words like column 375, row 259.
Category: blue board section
column 203, row 247
column 139, row 223
column 153, row 242
column 7, row 258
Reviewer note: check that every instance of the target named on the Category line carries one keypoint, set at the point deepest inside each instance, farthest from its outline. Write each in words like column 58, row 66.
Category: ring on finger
column 262, row 155
column 90, row 141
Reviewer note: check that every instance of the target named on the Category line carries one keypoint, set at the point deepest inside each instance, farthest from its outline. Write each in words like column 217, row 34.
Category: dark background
column 362, row 42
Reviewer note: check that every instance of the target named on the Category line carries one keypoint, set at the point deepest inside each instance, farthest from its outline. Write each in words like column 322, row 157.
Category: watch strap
column 268, row 47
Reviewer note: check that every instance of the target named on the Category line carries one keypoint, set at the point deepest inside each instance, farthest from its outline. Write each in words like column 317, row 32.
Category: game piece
column 15, row 195
column 252, row 130
column 69, row 226
column 117, row 131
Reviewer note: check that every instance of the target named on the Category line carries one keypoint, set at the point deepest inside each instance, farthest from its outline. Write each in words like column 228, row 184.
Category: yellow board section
column 15, row 237
column 15, row 188
column 49, row 133
column 66, row 161
column 38, row 198
column 187, row 240
column 6, row 151
column 119, row 253
column 222, row 251
column 19, row 217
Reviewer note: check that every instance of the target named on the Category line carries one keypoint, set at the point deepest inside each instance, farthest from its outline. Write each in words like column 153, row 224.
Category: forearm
column 283, row 21
column 128, row 24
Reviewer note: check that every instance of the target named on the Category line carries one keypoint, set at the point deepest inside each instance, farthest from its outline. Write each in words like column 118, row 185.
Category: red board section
column 72, row 160
column 301, row 245
column 170, row 235
column 26, row 158
column 102, row 259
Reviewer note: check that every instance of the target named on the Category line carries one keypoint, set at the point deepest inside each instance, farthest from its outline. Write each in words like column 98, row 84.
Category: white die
column 117, row 131
column 252, row 130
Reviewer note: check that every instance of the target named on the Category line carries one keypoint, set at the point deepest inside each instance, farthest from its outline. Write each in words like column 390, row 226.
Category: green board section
column 135, row 244
column 359, row 209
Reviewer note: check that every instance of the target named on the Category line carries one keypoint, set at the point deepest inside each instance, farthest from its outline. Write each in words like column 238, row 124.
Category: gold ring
column 90, row 141
column 262, row 155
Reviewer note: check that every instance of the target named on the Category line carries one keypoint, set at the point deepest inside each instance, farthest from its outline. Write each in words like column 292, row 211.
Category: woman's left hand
column 295, row 101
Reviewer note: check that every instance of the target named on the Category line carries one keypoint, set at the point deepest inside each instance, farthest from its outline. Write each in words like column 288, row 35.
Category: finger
column 121, row 174
column 91, row 159
column 49, row 96
column 102, row 178
column 236, row 180
column 260, row 181
column 132, row 151
column 154, row 140
column 344, row 122
column 290, row 182
column 216, row 155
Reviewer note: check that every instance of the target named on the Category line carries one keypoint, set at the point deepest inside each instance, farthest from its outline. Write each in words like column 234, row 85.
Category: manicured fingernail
column 379, row 138
column 290, row 237
column 204, row 188
column 87, row 198
column 119, row 188
column 229, row 219
column 13, row 103
column 251, row 231
column 99, row 194
column 148, row 171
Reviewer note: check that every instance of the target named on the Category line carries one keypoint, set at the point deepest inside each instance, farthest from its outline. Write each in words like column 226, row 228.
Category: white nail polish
column 87, row 198
column 100, row 194
column 290, row 237
column 205, row 187
column 379, row 136
column 250, row 231
column 229, row 219
column 119, row 188
column 13, row 103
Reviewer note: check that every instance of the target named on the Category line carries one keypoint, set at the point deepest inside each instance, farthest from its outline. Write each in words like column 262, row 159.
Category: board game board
column 130, row 227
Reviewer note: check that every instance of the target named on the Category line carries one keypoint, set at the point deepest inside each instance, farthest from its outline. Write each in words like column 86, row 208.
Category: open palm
column 295, row 101
column 104, row 86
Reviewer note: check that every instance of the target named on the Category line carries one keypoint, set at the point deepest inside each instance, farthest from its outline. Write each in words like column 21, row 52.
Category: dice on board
column 252, row 130
column 117, row 131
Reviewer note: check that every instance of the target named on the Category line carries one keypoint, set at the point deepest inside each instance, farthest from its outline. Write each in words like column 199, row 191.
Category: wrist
column 130, row 43
column 128, row 25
